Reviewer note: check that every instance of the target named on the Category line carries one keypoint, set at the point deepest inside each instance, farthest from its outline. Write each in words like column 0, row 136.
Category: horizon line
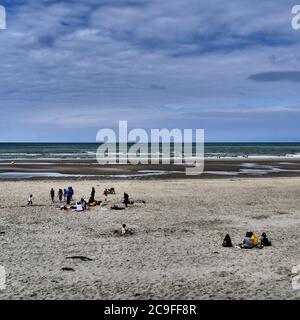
column 87, row 142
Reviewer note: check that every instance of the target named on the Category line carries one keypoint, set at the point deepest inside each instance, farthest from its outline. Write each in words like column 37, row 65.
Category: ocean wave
column 10, row 152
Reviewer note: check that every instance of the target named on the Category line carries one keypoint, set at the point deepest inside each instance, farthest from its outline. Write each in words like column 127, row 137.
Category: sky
column 69, row 68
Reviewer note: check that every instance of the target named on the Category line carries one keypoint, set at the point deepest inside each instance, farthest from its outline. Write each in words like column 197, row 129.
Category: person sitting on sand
column 30, row 200
column 254, row 239
column 249, row 234
column 111, row 191
column 265, row 241
column 92, row 202
column 83, row 203
column 227, row 241
column 79, row 207
column 121, row 231
column 247, row 243
column 52, row 194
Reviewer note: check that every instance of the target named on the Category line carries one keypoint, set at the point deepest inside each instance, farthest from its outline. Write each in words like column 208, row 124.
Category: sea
column 85, row 151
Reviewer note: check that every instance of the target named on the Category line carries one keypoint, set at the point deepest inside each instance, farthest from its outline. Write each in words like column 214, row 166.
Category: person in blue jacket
column 69, row 195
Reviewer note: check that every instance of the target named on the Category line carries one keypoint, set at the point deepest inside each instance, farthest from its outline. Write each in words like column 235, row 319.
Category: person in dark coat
column 93, row 193
column 71, row 192
column 265, row 241
column 126, row 199
column 52, row 194
column 227, row 241
column 69, row 195
column 60, row 195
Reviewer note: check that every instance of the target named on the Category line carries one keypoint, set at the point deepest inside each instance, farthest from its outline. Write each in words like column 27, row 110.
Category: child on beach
column 105, row 193
column 30, row 200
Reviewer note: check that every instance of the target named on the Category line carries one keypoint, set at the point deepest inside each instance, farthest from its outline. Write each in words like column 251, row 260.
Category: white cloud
column 113, row 58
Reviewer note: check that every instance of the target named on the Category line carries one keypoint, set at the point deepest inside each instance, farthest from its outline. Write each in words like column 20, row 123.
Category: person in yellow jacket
column 255, row 240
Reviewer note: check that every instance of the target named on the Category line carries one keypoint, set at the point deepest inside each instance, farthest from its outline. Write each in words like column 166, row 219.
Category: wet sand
column 175, row 251
column 214, row 168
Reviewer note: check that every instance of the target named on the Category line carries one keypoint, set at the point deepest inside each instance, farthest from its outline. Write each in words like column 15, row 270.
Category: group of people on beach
column 250, row 241
column 84, row 204
column 66, row 194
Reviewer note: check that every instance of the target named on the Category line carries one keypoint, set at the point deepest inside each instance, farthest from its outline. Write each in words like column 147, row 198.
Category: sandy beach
column 175, row 251
column 190, row 111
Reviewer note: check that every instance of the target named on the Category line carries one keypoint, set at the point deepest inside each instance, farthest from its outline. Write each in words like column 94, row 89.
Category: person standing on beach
column 126, row 199
column 105, row 193
column 93, row 193
column 71, row 192
column 69, row 196
column 52, row 194
column 65, row 194
column 60, row 195
column 30, row 200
